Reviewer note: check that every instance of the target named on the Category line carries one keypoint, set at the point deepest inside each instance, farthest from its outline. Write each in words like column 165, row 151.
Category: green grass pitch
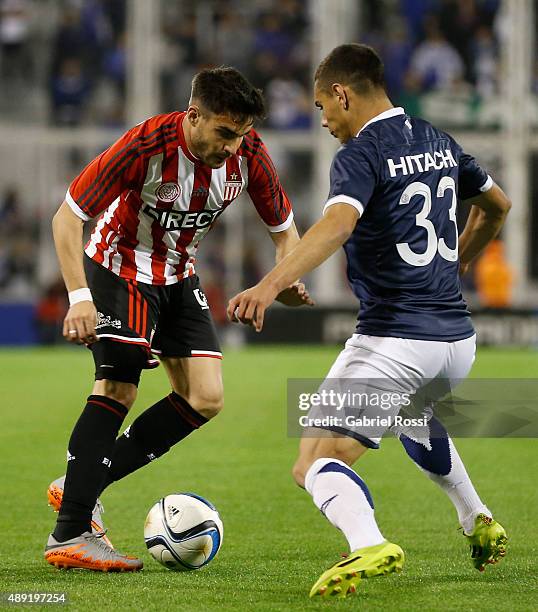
column 276, row 543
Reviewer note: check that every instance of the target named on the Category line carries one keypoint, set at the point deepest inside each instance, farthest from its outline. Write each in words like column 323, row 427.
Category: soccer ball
column 183, row 531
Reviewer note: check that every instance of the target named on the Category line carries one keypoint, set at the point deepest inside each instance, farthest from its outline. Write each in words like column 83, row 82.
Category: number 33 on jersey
column 405, row 178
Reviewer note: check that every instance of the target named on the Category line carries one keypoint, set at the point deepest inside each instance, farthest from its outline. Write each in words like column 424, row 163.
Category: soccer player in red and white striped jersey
column 134, row 293
column 158, row 199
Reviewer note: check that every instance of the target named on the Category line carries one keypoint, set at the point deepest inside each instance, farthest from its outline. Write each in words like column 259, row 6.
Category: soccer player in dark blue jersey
column 395, row 185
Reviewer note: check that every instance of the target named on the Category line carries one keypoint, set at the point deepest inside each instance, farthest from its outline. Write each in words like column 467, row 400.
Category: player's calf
column 152, row 434
column 90, row 450
column 344, row 499
column 325, row 444
column 435, row 454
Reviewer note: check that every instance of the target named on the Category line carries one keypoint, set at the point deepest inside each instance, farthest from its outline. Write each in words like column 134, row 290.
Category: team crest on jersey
column 168, row 192
column 232, row 188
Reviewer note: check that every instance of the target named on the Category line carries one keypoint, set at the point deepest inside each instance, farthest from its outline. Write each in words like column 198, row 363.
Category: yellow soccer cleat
column 487, row 542
column 343, row 577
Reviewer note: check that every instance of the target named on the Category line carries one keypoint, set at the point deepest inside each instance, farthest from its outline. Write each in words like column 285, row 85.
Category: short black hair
column 353, row 64
column 225, row 90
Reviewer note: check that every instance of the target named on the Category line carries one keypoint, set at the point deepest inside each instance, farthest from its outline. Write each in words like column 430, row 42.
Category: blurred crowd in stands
column 79, row 56
column 18, row 237
column 449, row 47
column 65, row 54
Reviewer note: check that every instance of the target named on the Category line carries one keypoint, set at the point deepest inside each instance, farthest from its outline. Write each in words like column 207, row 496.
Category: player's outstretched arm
column 81, row 319
column 296, row 294
column 317, row 245
column 486, row 218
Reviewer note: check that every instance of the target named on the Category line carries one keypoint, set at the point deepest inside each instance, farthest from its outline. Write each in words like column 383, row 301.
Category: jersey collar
column 392, row 112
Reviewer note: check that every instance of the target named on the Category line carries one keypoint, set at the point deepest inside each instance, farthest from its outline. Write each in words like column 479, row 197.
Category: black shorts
column 169, row 320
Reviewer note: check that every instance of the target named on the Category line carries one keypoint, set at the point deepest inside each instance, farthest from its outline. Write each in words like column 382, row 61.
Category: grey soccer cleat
column 89, row 551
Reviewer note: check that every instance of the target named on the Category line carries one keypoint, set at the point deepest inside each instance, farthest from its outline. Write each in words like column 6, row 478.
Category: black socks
column 152, row 434
column 96, row 458
column 89, row 458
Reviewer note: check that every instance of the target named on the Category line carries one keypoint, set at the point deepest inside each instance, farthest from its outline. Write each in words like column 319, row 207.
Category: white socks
column 343, row 497
column 438, row 458
column 459, row 488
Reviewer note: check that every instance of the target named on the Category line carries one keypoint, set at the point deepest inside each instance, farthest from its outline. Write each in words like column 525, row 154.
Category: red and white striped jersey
column 157, row 201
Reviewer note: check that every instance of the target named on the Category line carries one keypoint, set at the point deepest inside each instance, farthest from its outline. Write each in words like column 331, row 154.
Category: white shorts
column 377, row 365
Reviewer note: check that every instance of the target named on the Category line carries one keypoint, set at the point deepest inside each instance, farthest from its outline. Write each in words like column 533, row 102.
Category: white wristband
column 80, row 295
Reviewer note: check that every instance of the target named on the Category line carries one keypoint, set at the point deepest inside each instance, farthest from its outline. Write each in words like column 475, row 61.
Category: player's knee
column 208, row 402
column 124, row 393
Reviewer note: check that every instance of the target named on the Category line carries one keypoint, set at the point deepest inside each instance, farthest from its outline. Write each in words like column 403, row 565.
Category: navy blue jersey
column 405, row 178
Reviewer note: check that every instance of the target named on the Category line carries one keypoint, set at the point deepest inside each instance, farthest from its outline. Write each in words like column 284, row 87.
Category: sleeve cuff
column 283, row 226
column 75, row 207
column 343, row 199
column 487, row 185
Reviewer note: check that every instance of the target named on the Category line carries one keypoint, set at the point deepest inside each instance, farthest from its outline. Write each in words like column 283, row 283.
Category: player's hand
column 80, row 322
column 295, row 295
column 249, row 306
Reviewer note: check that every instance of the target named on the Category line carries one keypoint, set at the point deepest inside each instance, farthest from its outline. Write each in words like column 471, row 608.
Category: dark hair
column 226, row 91
column 353, row 64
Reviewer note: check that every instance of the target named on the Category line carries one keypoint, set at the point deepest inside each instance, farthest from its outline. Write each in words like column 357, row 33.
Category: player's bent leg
column 93, row 438
column 439, row 459
column 171, row 419
column 323, row 468
column 89, row 458
column 435, row 454
column 199, row 381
